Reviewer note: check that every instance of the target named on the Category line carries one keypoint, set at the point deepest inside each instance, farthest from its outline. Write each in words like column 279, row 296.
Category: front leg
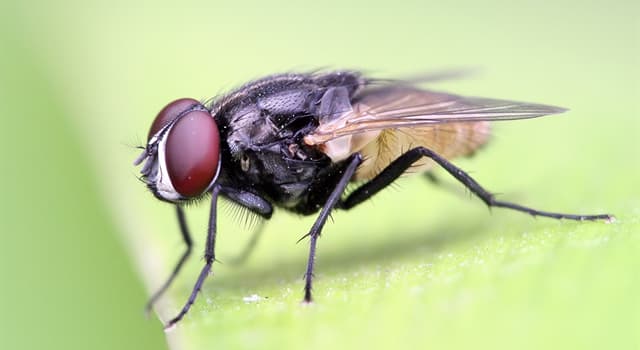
column 209, row 258
column 316, row 229
column 249, row 200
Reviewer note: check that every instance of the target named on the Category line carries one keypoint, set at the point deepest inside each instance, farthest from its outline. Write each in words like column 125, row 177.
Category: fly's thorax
column 282, row 171
column 261, row 152
column 246, row 128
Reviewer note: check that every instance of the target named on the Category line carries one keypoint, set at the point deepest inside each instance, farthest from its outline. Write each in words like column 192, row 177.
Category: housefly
column 296, row 141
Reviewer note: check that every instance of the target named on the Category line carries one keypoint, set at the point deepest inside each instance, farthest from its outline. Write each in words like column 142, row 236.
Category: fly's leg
column 184, row 229
column 402, row 163
column 209, row 258
column 316, row 229
column 248, row 200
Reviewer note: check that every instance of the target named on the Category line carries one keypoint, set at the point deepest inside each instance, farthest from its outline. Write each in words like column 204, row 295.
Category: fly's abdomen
column 449, row 140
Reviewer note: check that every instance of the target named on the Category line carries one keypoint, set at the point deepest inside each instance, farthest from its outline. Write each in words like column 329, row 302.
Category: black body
column 262, row 125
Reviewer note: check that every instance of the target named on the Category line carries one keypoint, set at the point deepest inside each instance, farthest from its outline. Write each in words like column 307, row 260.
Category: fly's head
column 182, row 155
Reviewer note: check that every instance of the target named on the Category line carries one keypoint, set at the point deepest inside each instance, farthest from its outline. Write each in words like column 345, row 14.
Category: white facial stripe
column 163, row 182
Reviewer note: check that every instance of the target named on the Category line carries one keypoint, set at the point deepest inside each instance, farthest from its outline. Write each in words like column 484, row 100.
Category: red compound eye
column 169, row 113
column 192, row 153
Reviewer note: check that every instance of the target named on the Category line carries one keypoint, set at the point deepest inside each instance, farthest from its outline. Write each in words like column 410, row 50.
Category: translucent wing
column 398, row 106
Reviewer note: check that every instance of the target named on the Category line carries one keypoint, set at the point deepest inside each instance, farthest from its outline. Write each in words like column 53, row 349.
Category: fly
column 296, row 141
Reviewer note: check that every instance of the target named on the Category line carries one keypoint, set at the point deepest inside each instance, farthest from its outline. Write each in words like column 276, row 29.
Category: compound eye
column 169, row 113
column 192, row 153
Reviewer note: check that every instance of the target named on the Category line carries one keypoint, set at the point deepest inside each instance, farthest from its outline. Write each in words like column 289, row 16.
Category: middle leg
column 316, row 229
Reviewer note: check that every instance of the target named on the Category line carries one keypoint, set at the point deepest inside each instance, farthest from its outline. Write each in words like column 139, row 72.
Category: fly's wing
column 398, row 106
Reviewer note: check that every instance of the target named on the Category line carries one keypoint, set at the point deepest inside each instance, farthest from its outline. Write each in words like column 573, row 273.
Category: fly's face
column 182, row 155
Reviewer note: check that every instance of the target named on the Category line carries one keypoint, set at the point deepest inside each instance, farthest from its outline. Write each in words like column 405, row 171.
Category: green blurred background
column 83, row 243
